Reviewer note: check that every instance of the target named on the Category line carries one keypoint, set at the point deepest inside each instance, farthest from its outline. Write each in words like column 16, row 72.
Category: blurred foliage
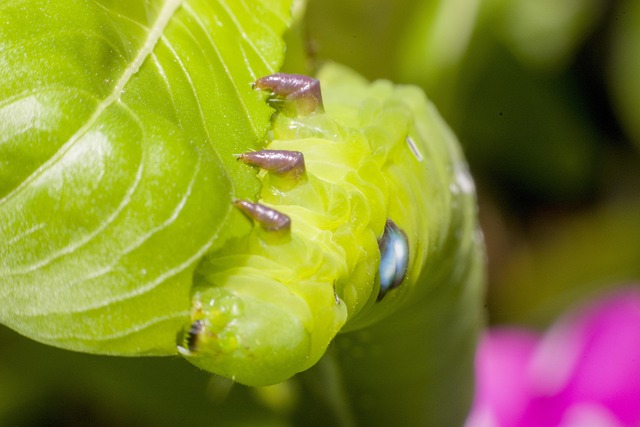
column 624, row 68
column 44, row 386
column 571, row 260
column 544, row 96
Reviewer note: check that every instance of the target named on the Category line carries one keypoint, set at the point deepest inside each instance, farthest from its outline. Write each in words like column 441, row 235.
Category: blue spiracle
column 394, row 258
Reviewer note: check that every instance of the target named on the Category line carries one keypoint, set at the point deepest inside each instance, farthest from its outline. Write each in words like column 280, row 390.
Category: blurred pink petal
column 503, row 355
column 584, row 371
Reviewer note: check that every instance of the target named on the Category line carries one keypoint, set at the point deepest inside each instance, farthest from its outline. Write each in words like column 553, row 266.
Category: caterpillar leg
column 270, row 219
column 282, row 162
column 294, row 92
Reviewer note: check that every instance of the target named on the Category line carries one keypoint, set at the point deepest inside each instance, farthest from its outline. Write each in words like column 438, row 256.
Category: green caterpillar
column 366, row 218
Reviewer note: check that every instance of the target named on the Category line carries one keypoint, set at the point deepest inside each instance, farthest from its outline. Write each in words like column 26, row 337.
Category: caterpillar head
column 341, row 227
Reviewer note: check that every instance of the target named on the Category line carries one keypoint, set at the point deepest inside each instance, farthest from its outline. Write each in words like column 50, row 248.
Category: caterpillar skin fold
column 382, row 220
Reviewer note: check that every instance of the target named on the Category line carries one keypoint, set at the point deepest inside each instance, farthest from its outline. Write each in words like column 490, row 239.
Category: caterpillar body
column 366, row 214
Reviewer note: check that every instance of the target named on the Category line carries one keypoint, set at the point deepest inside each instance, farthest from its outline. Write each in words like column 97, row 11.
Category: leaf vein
column 169, row 272
column 243, row 33
column 228, row 73
column 71, row 248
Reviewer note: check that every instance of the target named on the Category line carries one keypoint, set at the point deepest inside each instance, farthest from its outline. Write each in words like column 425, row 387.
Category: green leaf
column 118, row 125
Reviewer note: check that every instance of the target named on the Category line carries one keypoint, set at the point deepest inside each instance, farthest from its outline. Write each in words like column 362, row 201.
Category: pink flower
column 583, row 372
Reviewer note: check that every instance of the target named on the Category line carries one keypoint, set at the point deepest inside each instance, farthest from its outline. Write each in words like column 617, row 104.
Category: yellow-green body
column 377, row 152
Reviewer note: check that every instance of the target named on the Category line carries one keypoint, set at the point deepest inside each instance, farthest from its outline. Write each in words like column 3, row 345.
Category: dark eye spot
column 394, row 258
column 194, row 333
